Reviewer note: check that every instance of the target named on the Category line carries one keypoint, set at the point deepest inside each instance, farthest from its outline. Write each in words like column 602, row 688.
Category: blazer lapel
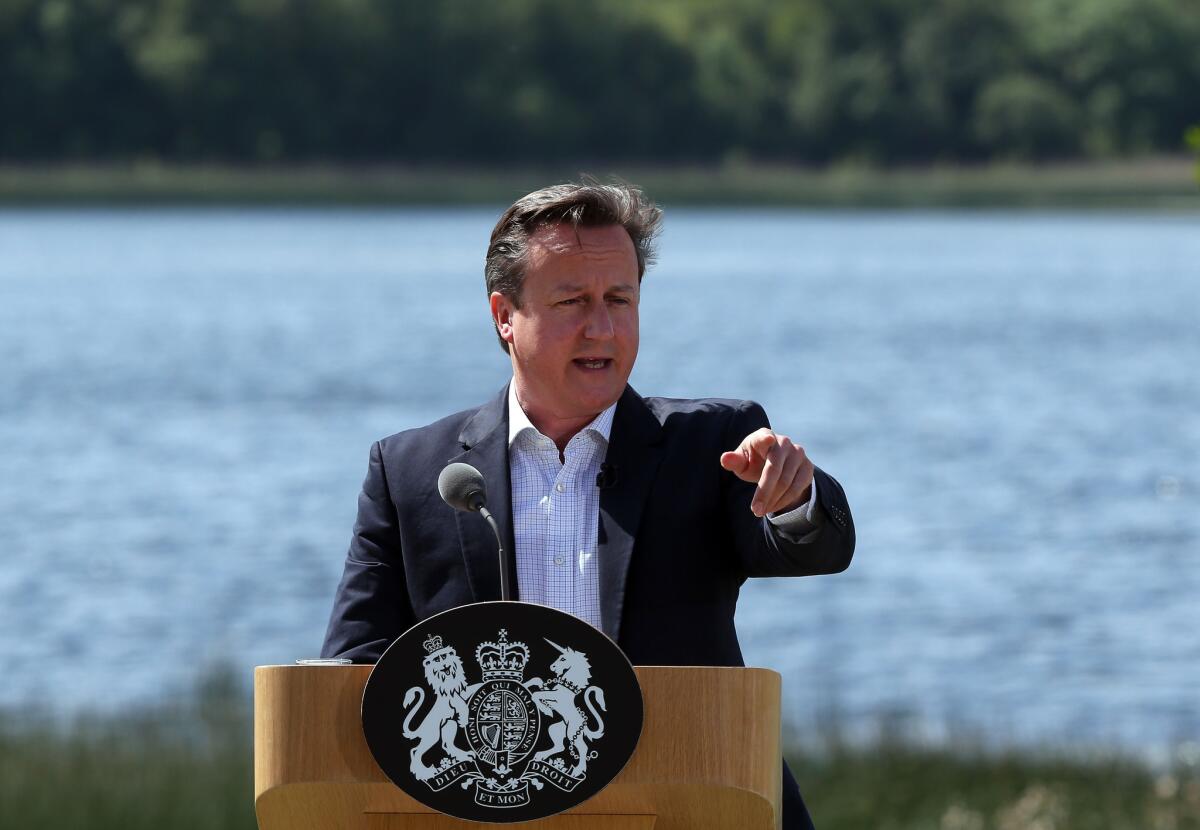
column 632, row 451
column 484, row 439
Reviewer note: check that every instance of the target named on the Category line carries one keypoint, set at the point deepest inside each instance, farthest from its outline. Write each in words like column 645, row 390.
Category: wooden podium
column 708, row 757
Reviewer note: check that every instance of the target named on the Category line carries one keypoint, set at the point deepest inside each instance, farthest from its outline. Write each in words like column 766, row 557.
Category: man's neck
column 558, row 430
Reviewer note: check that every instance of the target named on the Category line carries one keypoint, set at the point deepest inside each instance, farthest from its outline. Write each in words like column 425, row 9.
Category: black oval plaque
column 502, row 711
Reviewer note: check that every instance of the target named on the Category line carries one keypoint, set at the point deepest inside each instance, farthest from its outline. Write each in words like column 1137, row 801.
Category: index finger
column 753, row 450
column 760, row 441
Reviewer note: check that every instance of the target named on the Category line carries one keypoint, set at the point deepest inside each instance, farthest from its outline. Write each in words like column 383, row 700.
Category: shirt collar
column 518, row 421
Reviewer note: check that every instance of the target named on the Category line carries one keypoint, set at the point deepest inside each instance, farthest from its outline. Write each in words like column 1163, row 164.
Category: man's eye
column 569, row 301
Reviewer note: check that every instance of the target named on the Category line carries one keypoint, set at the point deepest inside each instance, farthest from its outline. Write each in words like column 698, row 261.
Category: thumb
column 734, row 462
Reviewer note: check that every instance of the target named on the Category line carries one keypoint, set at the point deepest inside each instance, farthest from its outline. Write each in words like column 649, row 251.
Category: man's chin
column 594, row 402
column 604, row 394
column 576, row 397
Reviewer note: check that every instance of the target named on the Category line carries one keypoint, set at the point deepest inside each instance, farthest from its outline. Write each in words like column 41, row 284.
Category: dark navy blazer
column 677, row 538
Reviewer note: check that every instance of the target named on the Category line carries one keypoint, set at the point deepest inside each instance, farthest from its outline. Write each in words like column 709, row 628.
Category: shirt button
column 558, row 560
column 559, row 487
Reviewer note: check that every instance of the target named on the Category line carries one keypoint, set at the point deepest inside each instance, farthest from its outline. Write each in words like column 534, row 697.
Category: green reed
column 189, row 765
column 169, row 767
column 906, row 787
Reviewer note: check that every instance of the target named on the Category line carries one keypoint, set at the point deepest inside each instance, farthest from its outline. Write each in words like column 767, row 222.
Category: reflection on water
column 187, row 399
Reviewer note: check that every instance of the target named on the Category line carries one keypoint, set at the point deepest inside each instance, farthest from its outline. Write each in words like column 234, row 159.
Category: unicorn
column 570, row 733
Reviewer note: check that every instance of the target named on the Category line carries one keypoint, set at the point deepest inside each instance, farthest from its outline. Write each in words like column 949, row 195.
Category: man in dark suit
column 642, row 516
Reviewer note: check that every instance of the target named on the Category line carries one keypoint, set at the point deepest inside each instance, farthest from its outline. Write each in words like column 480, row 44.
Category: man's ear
column 502, row 314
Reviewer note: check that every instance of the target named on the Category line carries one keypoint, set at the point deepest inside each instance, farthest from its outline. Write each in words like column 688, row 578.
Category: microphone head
column 461, row 486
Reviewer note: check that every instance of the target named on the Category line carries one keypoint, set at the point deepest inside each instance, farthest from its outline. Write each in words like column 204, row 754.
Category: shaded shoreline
column 1155, row 184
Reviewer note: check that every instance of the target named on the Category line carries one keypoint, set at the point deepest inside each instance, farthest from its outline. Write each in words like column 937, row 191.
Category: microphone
column 461, row 486
column 607, row 477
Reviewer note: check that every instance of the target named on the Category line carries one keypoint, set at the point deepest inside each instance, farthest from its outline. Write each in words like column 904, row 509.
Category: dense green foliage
column 188, row 767
column 676, row 81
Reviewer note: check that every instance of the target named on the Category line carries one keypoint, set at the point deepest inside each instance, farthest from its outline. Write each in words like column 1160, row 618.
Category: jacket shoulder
column 429, row 444
column 449, row 425
column 699, row 409
column 717, row 417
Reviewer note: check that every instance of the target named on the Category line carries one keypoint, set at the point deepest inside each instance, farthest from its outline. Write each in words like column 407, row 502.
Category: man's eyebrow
column 574, row 289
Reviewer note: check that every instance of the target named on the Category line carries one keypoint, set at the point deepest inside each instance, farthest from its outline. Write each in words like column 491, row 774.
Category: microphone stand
column 504, row 592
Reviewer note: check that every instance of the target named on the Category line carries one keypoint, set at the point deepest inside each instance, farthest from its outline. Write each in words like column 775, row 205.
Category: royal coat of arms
column 487, row 735
column 502, row 711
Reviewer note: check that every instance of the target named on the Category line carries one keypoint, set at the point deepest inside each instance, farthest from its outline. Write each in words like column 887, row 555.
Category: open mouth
column 593, row 362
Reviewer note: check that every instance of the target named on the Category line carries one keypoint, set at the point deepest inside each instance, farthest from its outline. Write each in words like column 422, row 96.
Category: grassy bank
column 1147, row 184
column 189, row 766
column 906, row 787
column 168, row 767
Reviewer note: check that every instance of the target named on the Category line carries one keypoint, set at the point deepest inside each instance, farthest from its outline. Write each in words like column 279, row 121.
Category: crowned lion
column 444, row 674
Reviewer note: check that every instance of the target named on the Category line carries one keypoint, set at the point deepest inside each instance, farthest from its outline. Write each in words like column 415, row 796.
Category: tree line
column 479, row 82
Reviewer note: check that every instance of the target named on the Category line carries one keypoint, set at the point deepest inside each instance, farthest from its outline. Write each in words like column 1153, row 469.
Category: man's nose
column 598, row 325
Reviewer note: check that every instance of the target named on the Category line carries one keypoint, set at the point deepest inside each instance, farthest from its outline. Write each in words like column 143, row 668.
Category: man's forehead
column 565, row 238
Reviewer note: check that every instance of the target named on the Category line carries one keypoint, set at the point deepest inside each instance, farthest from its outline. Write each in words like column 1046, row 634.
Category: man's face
column 574, row 338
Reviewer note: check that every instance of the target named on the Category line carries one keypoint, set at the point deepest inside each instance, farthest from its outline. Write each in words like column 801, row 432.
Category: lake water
column 1012, row 401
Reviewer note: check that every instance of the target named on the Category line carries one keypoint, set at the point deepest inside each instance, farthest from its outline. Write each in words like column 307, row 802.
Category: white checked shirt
column 556, row 513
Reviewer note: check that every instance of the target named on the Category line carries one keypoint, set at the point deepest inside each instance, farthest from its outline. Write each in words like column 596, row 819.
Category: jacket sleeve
column 371, row 607
column 761, row 548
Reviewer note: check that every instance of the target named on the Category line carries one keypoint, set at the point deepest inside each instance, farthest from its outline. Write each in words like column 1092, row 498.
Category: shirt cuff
column 802, row 523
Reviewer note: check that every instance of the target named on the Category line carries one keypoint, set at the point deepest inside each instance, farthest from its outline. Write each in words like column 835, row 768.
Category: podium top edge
column 327, row 666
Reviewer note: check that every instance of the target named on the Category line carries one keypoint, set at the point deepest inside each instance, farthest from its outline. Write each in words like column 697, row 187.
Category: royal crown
column 433, row 643
column 502, row 660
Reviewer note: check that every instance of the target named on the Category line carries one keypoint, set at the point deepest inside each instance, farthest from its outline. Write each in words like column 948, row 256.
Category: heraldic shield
column 502, row 711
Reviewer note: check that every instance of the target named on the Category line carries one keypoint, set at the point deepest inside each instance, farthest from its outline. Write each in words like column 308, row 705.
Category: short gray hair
column 581, row 204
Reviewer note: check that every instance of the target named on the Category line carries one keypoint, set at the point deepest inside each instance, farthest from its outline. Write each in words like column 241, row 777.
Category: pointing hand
column 782, row 470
